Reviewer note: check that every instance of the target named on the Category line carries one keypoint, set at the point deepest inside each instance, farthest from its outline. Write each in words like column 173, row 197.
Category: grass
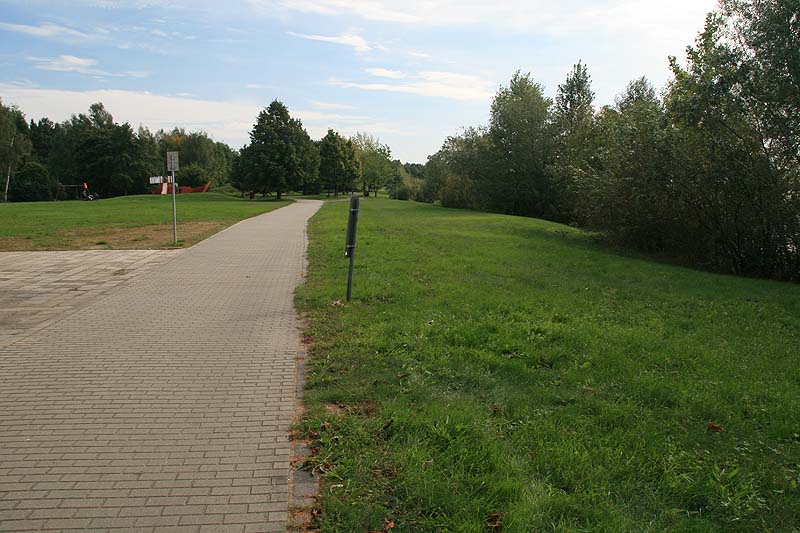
column 122, row 223
column 496, row 373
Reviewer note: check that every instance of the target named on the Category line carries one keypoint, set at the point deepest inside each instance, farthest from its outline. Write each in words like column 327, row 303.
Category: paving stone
column 153, row 401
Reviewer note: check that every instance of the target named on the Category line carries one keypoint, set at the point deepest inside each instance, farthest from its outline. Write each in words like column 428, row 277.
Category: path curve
column 166, row 404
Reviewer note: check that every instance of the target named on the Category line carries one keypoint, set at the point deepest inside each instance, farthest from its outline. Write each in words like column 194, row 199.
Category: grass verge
column 129, row 222
column 506, row 373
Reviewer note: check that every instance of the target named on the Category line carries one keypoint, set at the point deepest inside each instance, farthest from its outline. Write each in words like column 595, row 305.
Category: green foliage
column 339, row 166
column 376, row 162
column 31, row 183
column 631, row 190
column 514, row 366
column 576, row 143
column 280, row 157
column 15, row 141
column 522, row 146
column 112, row 158
column 201, row 158
column 710, row 175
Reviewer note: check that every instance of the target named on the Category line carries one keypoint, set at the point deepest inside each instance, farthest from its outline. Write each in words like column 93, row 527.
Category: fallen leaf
column 337, row 303
column 587, row 390
column 494, row 521
column 534, row 455
column 715, row 427
column 387, row 524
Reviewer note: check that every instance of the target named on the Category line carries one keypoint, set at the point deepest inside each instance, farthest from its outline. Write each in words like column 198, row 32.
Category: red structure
column 166, row 188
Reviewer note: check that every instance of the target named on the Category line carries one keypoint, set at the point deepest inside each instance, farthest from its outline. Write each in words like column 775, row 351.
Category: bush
column 409, row 189
column 458, row 192
column 31, row 183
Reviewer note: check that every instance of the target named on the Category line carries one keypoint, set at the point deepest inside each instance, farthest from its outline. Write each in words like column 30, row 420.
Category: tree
column 202, row 159
column 376, row 162
column 739, row 207
column 32, row 183
column 42, row 138
column 764, row 35
column 519, row 132
column 630, row 193
column 339, row 167
column 15, row 144
column 575, row 141
column 281, row 157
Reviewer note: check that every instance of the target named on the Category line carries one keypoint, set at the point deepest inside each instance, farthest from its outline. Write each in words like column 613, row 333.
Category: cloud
column 65, row 63
column 544, row 16
column 450, row 85
column 356, row 42
column 81, row 65
column 366, row 9
column 230, row 122
column 386, row 73
column 259, row 86
column 331, row 106
column 47, row 30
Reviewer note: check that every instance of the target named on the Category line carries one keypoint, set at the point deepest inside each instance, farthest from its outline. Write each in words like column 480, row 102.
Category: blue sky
column 410, row 72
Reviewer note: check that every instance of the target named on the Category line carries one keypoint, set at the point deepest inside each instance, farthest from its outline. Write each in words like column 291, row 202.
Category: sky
column 410, row 72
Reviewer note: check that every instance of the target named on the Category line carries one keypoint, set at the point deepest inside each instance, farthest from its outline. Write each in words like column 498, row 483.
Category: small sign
column 172, row 161
column 156, row 179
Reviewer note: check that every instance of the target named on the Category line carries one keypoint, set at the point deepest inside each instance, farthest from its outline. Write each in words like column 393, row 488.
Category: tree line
column 708, row 171
column 282, row 157
column 46, row 160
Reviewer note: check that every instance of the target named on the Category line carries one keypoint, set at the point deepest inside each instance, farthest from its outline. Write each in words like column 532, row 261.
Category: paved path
column 39, row 288
column 165, row 404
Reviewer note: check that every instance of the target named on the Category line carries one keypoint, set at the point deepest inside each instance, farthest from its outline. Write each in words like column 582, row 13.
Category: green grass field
column 499, row 373
column 126, row 222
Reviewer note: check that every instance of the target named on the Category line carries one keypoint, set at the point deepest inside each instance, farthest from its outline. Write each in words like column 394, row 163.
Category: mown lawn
column 498, row 373
column 126, row 222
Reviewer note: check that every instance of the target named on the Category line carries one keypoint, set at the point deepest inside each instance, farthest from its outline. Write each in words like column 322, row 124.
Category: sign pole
column 174, row 212
column 172, row 166
column 350, row 245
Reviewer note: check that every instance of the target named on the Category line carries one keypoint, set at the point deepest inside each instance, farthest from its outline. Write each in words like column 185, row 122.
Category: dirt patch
column 118, row 238
column 152, row 236
column 16, row 244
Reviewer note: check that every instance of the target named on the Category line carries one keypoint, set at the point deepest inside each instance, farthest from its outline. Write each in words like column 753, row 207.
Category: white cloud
column 366, row 9
column 259, row 86
column 81, row 65
column 464, row 87
column 386, row 73
column 356, row 42
column 331, row 106
column 65, row 63
column 47, row 30
column 230, row 122
column 520, row 15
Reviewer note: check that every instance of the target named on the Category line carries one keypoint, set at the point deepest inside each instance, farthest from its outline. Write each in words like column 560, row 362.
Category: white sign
column 172, row 161
column 156, row 179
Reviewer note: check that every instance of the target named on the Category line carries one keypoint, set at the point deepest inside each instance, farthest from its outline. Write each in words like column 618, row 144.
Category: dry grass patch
column 142, row 237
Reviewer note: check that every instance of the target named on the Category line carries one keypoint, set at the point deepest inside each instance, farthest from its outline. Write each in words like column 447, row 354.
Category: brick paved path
column 166, row 404
column 38, row 288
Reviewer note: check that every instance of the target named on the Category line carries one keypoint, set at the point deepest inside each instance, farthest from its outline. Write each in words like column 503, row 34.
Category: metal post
column 350, row 246
column 350, row 275
column 174, row 211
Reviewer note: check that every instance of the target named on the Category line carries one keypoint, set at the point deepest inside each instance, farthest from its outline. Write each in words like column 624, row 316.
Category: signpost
column 172, row 166
column 350, row 244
